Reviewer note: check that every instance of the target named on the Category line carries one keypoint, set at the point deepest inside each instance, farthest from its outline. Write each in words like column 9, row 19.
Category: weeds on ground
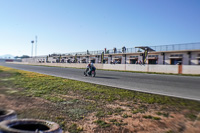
column 118, row 110
column 151, row 117
column 170, row 131
column 102, row 123
column 74, row 128
column 163, row 114
column 117, row 123
column 100, row 114
column 135, row 111
column 125, row 116
column 191, row 116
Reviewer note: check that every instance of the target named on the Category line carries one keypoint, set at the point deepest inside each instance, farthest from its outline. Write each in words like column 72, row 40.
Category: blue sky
column 64, row 26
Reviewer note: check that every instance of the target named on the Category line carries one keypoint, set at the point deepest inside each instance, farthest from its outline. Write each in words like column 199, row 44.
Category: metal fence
column 177, row 47
column 173, row 47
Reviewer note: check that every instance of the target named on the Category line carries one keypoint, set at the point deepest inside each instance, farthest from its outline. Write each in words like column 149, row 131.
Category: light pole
column 32, row 49
column 35, row 46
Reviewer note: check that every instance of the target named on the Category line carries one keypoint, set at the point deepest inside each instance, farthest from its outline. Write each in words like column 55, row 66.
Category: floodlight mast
column 32, row 49
column 35, row 46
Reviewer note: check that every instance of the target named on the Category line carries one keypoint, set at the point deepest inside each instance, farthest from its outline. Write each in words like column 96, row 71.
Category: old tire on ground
column 7, row 115
column 29, row 126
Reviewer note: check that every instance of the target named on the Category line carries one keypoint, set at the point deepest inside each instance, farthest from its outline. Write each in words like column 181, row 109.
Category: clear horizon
column 66, row 26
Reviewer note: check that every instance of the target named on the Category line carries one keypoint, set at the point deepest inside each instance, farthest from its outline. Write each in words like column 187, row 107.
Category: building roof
column 145, row 47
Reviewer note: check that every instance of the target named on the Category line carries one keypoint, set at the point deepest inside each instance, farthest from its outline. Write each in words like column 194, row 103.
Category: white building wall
column 194, row 60
column 160, row 59
column 87, row 60
column 81, row 58
column 96, row 60
column 25, row 60
column 127, row 59
column 139, row 58
column 123, row 60
column 185, row 60
column 78, row 59
column 34, row 59
column 50, row 59
column 109, row 60
column 167, row 59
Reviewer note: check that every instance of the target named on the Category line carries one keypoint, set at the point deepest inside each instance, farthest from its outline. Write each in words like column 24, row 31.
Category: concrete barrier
column 186, row 69
column 163, row 68
column 134, row 67
column 190, row 69
column 114, row 66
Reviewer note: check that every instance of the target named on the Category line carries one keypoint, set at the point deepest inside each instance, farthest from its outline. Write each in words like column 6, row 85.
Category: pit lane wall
column 174, row 69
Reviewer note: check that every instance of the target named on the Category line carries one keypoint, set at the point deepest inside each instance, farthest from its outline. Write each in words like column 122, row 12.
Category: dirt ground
column 27, row 107
column 127, row 118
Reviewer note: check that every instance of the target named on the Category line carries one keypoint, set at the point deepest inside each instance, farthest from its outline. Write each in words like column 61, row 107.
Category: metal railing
column 176, row 47
column 173, row 47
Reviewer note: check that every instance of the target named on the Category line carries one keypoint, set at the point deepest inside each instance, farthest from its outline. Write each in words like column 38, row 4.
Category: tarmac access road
column 187, row 87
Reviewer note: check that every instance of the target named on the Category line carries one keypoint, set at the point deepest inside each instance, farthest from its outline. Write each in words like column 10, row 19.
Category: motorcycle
column 90, row 73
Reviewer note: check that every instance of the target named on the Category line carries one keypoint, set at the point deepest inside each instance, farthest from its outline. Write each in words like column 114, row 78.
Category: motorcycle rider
column 90, row 67
column 93, row 68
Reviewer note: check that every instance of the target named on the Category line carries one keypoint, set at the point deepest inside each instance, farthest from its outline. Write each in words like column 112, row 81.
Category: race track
column 171, row 85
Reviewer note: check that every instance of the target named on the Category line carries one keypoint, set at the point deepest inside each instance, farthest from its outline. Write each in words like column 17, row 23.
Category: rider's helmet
column 89, row 64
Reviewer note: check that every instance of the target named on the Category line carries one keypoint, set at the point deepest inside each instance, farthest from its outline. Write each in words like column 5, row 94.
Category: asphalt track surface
column 187, row 87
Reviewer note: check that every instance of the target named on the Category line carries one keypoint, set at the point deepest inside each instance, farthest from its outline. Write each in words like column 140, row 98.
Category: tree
column 24, row 56
column 16, row 57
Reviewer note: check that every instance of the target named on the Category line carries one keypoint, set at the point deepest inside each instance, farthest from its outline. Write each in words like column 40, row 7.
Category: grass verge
column 71, row 101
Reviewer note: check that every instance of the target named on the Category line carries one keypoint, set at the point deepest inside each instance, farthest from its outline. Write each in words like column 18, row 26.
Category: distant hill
column 7, row 56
